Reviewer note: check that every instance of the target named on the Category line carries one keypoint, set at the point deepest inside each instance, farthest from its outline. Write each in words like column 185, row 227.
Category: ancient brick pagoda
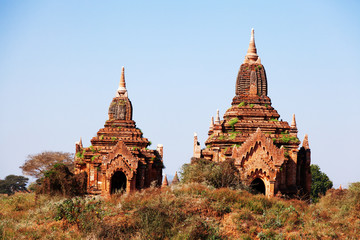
column 118, row 159
column 264, row 149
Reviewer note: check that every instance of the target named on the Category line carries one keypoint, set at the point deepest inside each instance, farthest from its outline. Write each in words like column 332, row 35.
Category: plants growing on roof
column 92, row 149
column 232, row 123
column 242, row 104
column 232, row 136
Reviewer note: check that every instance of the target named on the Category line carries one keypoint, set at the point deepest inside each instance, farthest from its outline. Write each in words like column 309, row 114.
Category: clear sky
column 60, row 65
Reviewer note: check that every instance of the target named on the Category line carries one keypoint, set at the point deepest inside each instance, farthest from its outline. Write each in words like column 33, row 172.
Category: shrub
column 218, row 175
column 85, row 213
column 59, row 180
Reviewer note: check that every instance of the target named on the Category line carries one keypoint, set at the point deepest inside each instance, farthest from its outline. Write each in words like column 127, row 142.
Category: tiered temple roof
column 250, row 109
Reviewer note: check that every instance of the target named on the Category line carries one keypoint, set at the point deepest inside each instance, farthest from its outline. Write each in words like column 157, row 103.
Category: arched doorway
column 257, row 186
column 118, row 182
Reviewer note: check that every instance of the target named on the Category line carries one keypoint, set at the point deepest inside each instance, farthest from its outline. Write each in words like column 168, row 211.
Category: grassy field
column 189, row 211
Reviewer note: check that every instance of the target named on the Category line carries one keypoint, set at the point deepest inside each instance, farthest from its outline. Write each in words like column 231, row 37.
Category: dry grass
column 188, row 211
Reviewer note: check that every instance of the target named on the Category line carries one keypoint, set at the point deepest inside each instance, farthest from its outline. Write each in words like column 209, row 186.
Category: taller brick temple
column 119, row 158
column 264, row 149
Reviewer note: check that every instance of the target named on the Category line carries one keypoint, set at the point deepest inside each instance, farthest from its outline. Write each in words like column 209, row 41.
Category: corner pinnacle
column 217, row 118
column 293, row 122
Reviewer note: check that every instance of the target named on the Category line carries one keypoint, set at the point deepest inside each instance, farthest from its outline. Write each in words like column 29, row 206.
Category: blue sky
column 60, row 64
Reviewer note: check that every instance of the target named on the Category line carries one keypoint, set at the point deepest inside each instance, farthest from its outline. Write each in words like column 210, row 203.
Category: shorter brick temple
column 264, row 149
column 118, row 158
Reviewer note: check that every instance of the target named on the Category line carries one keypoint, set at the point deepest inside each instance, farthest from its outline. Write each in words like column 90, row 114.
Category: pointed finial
column 165, row 182
column 306, row 142
column 217, row 118
column 251, row 55
column 122, row 92
column 80, row 143
column 293, row 122
column 340, row 188
column 175, row 179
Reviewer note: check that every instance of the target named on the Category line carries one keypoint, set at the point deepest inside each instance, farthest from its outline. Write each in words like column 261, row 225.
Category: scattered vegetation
column 273, row 120
column 92, row 149
column 242, row 104
column 186, row 211
column 94, row 157
column 251, row 105
column 232, row 136
column 287, row 138
column 101, row 137
column 232, row 123
column 113, row 139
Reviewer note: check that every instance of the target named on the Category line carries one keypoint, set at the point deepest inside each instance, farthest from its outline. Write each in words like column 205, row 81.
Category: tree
column 12, row 184
column 320, row 183
column 35, row 165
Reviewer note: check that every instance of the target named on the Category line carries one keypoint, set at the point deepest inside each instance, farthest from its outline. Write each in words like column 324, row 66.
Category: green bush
column 86, row 214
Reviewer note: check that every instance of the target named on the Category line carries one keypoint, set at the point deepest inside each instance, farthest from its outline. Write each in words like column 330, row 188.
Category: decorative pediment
column 120, row 158
column 267, row 154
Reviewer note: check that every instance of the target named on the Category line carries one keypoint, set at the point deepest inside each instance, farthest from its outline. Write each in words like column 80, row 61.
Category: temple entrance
column 118, row 182
column 257, row 186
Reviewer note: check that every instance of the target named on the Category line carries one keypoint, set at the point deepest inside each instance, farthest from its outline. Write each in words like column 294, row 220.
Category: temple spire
column 251, row 56
column 122, row 92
